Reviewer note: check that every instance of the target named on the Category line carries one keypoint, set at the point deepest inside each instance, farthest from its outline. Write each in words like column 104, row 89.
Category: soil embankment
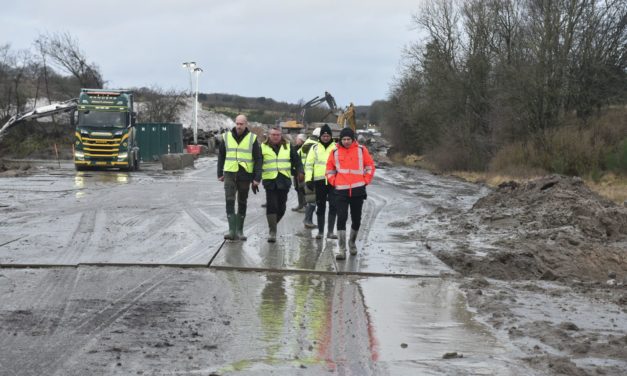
column 550, row 228
column 551, row 274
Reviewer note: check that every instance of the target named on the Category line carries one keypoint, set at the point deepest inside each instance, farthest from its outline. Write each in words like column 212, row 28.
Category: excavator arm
column 318, row 100
column 344, row 118
column 52, row 109
column 327, row 97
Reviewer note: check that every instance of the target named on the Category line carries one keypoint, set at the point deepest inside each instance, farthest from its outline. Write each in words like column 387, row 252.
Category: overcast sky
column 286, row 50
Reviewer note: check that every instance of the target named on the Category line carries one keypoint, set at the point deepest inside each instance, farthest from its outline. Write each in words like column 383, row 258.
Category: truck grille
column 105, row 147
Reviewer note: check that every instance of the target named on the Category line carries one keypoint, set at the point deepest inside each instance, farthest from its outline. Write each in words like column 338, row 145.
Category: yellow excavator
column 345, row 118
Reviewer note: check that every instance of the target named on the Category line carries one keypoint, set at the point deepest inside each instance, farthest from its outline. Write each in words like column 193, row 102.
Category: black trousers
column 235, row 188
column 324, row 193
column 276, row 200
column 343, row 204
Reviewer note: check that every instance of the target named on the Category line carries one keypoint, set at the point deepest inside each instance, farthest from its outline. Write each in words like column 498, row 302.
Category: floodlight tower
column 198, row 71
column 191, row 66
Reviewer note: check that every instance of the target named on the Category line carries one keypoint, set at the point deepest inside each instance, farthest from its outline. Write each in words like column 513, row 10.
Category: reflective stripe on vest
column 239, row 154
column 273, row 163
column 320, row 161
column 359, row 171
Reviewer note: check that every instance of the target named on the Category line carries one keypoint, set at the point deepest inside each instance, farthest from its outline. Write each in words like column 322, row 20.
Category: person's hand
column 221, row 178
column 254, row 186
column 301, row 177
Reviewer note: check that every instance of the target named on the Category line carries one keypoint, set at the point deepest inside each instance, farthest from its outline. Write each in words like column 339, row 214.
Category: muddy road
column 106, row 273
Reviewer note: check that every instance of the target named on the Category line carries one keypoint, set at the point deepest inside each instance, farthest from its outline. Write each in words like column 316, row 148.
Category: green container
column 156, row 139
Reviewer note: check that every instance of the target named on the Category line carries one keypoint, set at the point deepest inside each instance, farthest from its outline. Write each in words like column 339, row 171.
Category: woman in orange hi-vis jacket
column 349, row 170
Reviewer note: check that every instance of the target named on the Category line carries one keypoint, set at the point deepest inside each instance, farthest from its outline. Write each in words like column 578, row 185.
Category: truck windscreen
column 102, row 119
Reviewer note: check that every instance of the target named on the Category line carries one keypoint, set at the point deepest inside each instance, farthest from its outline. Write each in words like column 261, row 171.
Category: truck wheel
column 80, row 167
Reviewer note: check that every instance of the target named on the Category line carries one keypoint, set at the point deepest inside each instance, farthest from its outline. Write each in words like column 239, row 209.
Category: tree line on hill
column 56, row 68
column 502, row 84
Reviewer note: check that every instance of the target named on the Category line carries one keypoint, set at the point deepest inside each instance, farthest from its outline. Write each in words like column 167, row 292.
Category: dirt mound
column 550, row 228
column 12, row 169
column 556, row 202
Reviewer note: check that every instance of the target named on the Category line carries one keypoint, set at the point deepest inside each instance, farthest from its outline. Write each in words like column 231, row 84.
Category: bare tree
column 7, row 61
column 65, row 53
column 486, row 73
column 160, row 106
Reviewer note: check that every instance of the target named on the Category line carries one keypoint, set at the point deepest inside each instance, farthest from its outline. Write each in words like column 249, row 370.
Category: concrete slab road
column 106, row 273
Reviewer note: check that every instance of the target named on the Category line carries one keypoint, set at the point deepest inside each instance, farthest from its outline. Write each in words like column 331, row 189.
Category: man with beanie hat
column 315, row 167
column 349, row 178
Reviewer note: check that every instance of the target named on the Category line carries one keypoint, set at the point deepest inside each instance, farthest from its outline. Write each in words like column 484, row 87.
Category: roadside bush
column 616, row 161
column 577, row 148
column 37, row 140
column 512, row 155
column 572, row 151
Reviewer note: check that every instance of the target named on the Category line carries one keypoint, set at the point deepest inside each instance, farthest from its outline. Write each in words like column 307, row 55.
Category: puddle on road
column 85, row 180
column 350, row 325
column 246, row 323
column 417, row 321
column 284, row 324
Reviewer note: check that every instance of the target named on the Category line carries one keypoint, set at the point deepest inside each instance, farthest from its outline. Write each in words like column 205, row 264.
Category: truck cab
column 105, row 132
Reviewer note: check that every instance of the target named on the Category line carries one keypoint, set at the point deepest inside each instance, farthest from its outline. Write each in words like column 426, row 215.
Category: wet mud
column 111, row 273
column 545, row 264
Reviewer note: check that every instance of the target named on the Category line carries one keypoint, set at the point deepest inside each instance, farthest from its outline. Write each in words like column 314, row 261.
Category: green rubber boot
column 239, row 228
column 230, row 235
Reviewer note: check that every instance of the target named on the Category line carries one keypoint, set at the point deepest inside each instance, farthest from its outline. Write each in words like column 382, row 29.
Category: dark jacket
column 242, row 175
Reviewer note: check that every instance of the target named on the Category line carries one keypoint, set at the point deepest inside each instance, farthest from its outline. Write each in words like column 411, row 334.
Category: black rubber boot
column 271, row 227
column 320, row 228
column 330, row 234
column 309, row 211
column 301, row 202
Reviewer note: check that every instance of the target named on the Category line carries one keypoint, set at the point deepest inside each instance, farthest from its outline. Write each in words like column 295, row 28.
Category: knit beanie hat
column 347, row 132
column 326, row 129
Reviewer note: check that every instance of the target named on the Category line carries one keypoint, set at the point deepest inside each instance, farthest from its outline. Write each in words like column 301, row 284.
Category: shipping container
column 156, row 139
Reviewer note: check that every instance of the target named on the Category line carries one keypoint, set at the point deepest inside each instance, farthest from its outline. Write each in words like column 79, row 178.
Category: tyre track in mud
column 146, row 225
column 202, row 247
column 46, row 318
column 52, row 350
column 204, row 222
column 80, row 239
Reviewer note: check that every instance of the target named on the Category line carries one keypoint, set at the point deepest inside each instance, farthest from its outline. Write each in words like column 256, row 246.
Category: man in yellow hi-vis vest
column 239, row 166
column 315, row 167
column 279, row 160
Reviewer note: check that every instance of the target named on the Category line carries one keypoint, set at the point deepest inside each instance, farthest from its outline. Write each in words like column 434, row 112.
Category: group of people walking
column 324, row 172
